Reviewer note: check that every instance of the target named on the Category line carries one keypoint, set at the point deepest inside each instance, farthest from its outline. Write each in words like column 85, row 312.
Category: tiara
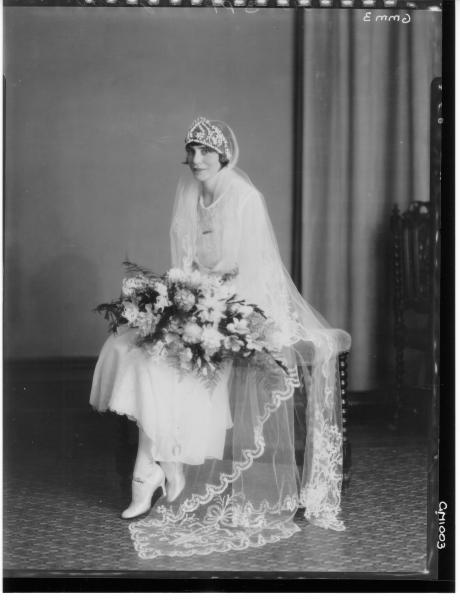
column 204, row 132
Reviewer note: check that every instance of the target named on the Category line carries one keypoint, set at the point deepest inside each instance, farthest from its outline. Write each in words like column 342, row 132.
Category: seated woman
column 224, row 455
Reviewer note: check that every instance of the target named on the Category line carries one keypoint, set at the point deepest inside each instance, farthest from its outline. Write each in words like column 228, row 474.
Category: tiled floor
column 63, row 499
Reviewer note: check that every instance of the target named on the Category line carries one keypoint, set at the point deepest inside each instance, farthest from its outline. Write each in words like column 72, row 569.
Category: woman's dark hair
column 223, row 161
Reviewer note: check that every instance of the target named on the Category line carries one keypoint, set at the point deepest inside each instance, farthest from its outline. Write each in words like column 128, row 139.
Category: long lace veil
column 268, row 471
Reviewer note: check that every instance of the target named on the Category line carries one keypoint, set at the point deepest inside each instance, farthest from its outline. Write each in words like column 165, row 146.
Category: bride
column 225, row 457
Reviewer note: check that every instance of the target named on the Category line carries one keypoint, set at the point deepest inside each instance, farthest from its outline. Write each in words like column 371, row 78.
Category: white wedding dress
column 238, row 443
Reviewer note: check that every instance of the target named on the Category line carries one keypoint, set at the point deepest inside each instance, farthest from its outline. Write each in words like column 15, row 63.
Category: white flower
column 211, row 308
column 233, row 343
column 176, row 275
column 227, row 291
column 185, row 299
column 253, row 345
column 208, row 283
column 275, row 339
column 175, row 325
column 211, row 302
column 211, row 340
column 146, row 321
column 162, row 302
column 192, row 333
column 155, row 350
column 185, row 357
column 245, row 310
column 131, row 284
column 238, row 326
column 171, row 338
column 161, row 288
column 257, row 325
column 130, row 312
column 211, row 316
column 233, row 308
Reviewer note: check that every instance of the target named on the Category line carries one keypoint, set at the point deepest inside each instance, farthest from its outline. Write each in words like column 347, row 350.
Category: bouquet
column 193, row 319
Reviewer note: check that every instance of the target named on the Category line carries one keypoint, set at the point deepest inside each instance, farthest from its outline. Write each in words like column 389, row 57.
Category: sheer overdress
column 237, row 441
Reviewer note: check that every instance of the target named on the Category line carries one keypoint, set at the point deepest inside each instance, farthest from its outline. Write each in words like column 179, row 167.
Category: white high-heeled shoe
column 143, row 489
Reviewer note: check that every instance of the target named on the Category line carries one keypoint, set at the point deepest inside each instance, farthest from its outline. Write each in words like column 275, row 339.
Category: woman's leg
column 144, row 465
column 147, row 477
column 175, row 479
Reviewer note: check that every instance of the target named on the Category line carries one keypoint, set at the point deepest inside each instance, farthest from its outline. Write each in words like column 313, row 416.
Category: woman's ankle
column 171, row 468
column 145, row 471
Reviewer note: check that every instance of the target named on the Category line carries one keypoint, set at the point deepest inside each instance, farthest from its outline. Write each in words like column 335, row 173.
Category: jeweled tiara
column 204, row 132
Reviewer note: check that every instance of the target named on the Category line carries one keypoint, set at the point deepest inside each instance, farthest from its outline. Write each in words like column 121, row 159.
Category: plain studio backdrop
column 97, row 105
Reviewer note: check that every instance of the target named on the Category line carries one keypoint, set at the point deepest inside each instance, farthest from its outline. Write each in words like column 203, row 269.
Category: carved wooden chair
column 415, row 236
column 412, row 287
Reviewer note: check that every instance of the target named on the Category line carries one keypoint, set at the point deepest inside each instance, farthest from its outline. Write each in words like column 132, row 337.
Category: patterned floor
column 63, row 499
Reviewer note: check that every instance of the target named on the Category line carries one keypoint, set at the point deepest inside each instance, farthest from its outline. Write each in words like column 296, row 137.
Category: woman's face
column 203, row 161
